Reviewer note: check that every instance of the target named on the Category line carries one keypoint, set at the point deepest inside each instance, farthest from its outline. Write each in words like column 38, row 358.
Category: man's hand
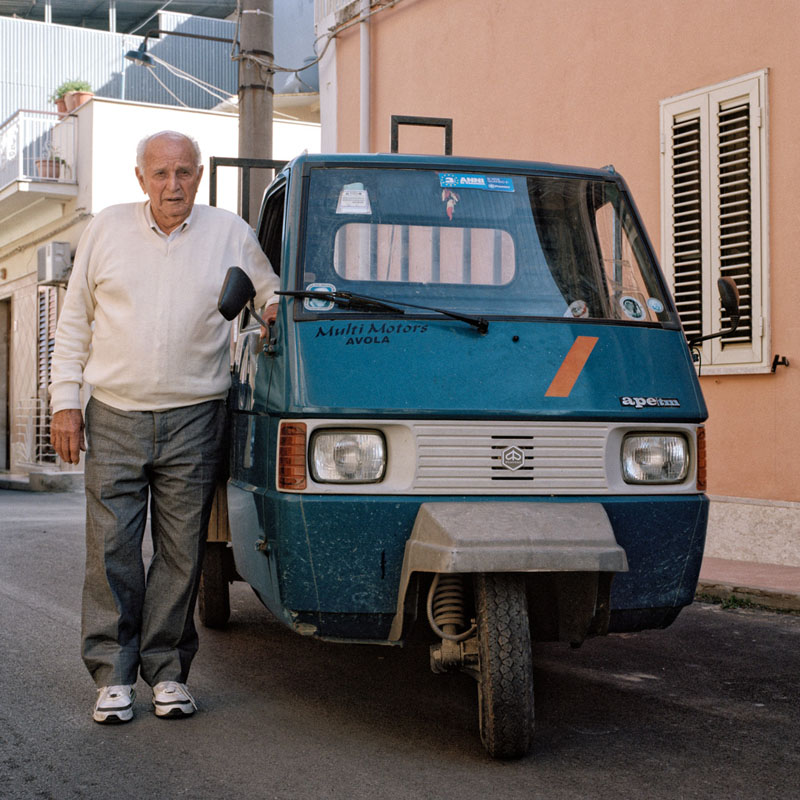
column 66, row 434
column 269, row 316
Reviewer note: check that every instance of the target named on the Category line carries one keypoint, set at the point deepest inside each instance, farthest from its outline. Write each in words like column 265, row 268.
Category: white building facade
column 86, row 162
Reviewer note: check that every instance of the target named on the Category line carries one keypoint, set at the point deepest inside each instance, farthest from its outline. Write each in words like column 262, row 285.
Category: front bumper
column 339, row 559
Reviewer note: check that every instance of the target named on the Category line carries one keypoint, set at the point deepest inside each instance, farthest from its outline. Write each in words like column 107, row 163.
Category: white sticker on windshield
column 321, row 304
column 632, row 308
column 353, row 199
column 577, row 309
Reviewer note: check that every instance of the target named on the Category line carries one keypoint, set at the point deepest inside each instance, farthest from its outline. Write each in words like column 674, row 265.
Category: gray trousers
column 135, row 621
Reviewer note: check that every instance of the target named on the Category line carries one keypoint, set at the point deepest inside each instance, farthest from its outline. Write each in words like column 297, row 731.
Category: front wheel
column 505, row 682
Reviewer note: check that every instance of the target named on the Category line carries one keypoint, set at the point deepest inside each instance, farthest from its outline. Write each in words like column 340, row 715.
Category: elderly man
column 140, row 325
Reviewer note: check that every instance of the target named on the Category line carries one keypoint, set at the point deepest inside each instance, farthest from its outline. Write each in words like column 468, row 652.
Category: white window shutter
column 48, row 298
column 736, row 219
column 714, row 209
column 687, row 221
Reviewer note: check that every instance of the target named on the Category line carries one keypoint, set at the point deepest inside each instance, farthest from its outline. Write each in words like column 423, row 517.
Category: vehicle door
column 252, row 362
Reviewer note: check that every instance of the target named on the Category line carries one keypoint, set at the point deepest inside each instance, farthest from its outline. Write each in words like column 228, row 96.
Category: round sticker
column 655, row 304
column 577, row 309
column 631, row 307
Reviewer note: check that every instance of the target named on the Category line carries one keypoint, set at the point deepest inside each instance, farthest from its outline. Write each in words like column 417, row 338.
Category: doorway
column 5, row 382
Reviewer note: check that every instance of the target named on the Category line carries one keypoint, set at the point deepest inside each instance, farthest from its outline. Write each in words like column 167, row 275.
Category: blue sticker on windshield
column 492, row 183
column 499, row 184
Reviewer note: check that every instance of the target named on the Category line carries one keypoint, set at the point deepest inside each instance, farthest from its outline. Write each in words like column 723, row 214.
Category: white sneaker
column 172, row 699
column 114, row 704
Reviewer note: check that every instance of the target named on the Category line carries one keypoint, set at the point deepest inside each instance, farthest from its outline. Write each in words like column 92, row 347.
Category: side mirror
column 729, row 295
column 237, row 291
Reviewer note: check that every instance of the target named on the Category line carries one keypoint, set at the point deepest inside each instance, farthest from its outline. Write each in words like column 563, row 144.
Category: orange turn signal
column 292, row 456
column 701, row 458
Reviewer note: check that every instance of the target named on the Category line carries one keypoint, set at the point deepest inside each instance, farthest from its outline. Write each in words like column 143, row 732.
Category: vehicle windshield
column 498, row 245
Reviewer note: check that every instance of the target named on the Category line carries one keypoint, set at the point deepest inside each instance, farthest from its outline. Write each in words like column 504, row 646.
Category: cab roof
column 449, row 163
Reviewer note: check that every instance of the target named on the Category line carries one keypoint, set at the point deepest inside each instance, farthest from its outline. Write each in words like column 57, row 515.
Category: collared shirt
column 151, row 220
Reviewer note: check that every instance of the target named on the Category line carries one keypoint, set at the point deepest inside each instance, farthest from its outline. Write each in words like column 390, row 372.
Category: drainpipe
column 364, row 110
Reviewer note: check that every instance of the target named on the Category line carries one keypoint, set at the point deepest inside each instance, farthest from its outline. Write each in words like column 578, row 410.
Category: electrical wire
column 210, row 88
column 266, row 65
column 214, row 91
column 329, row 36
column 167, row 89
column 152, row 16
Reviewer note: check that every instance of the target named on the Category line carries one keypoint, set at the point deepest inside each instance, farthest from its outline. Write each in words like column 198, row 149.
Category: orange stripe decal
column 571, row 367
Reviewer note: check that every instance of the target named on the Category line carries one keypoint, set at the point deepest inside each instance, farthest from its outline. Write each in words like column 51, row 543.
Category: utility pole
column 256, row 93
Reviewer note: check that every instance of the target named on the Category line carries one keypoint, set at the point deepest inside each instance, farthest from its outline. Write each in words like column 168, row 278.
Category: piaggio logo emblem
column 512, row 458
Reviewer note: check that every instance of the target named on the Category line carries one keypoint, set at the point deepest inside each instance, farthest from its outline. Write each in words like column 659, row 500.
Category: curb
column 732, row 592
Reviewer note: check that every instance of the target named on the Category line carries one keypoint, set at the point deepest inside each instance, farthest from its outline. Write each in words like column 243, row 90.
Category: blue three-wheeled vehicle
column 477, row 411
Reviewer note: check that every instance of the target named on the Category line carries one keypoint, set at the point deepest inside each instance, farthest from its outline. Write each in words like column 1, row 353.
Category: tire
column 213, row 597
column 505, row 684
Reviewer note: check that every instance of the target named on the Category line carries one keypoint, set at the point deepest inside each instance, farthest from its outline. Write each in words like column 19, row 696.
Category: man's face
column 170, row 179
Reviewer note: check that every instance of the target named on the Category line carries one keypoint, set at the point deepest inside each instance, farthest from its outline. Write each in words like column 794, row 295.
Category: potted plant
column 71, row 94
column 49, row 164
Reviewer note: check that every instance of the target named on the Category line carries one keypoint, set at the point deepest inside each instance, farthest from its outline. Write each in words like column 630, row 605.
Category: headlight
column 347, row 456
column 655, row 458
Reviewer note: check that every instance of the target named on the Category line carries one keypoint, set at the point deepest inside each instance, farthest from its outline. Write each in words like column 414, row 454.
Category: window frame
column 270, row 237
column 320, row 238
column 719, row 357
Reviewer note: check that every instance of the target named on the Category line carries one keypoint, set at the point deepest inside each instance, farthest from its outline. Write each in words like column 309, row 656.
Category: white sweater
column 140, row 320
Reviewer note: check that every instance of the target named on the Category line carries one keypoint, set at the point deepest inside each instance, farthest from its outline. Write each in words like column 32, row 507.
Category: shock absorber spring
column 447, row 608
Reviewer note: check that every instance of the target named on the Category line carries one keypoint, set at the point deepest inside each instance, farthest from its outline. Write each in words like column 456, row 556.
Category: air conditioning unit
column 54, row 262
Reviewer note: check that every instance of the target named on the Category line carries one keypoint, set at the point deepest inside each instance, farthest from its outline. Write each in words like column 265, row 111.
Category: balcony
column 38, row 169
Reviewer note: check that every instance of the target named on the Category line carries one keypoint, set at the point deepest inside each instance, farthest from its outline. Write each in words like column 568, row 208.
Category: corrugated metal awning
column 131, row 15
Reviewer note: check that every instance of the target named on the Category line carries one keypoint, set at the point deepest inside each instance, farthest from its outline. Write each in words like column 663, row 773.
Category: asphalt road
column 708, row 708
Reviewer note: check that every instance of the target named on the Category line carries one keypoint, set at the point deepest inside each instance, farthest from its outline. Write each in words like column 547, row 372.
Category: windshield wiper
column 356, row 302
column 363, row 302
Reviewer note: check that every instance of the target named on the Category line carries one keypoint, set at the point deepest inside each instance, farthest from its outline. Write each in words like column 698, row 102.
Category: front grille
column 510, row 472
column 510, row 458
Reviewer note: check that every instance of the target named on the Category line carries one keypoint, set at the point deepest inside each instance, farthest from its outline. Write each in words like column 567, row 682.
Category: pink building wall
column 579, row 82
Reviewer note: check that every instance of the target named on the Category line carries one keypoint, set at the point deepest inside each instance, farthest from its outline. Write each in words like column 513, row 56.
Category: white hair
column 141, row 148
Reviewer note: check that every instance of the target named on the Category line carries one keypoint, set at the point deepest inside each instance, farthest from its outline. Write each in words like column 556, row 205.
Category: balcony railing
column 38, row 146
